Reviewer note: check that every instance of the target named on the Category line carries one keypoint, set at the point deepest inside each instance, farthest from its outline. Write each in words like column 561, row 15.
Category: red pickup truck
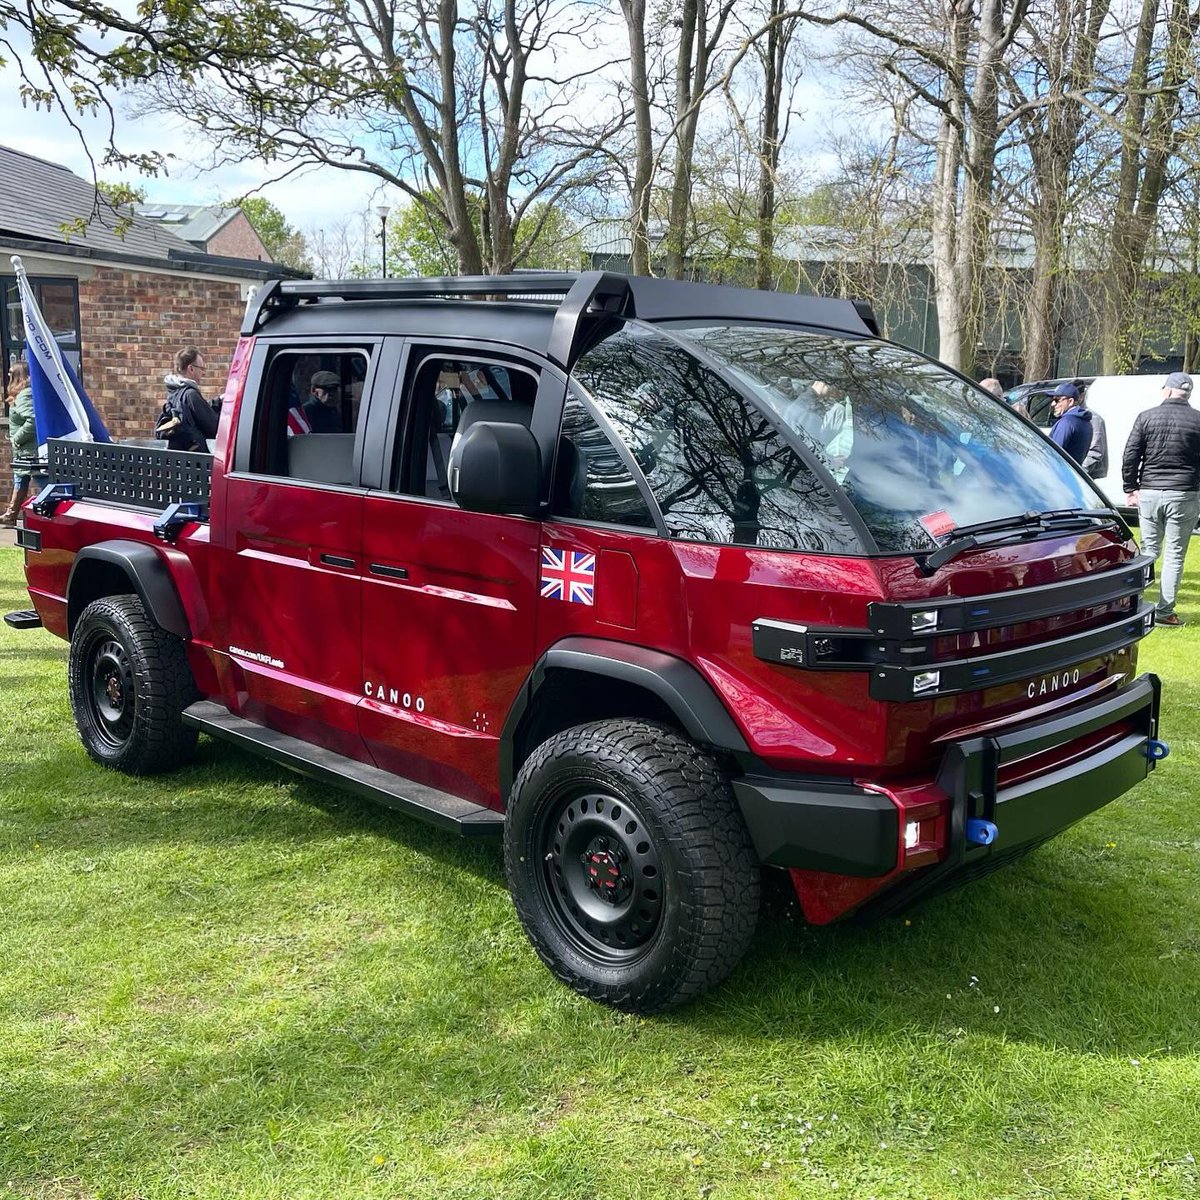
column 664, row 583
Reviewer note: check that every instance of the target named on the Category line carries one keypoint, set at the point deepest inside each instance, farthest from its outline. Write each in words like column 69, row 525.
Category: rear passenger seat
column 324, row 457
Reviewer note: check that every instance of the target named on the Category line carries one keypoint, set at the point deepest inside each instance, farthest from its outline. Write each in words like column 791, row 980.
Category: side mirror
column 496, row 468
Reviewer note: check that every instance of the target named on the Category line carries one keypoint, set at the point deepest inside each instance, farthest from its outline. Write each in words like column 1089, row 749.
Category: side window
column 716, row 465
column 591, row 480
column 446, row 395
column 308, row 414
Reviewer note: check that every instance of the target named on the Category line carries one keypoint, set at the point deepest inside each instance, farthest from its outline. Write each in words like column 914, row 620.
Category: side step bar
column 404, row 795
column 25, row 618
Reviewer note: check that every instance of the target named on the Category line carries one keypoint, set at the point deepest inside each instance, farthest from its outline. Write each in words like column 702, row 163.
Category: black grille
column 138, row 475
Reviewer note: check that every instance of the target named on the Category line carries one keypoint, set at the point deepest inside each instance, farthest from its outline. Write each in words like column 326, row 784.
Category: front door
column 449, row 597
column 287, row 570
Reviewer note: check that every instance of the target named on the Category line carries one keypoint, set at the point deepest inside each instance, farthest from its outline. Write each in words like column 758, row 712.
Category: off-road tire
column 630, row 865
column 129, row 682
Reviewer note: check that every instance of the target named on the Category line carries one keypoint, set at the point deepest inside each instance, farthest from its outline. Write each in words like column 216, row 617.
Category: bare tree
column 460, row 108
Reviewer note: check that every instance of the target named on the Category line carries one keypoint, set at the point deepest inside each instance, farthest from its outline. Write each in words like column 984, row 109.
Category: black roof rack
column 578, row 300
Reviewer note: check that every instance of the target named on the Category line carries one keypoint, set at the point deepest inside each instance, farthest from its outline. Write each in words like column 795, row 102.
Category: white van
column 1118, row 399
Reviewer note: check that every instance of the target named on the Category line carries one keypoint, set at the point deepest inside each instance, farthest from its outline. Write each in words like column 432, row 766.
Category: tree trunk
column 643, row 145
column 768, row 149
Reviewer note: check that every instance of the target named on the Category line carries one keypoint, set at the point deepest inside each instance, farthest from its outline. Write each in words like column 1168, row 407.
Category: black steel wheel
column 629, row 864
column 129, row 683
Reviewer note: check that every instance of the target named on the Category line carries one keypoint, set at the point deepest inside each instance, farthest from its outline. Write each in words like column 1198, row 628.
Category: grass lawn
column 230, row 982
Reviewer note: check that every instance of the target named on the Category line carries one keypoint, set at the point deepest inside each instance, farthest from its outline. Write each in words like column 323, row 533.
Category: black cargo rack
column 143, row 476
column 578, row 300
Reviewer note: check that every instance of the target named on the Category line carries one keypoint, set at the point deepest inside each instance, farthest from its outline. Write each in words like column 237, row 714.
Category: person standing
column 1072, row 428
column 23, row 435
column 1161, row 474
column 197, row 417
column 993, row 385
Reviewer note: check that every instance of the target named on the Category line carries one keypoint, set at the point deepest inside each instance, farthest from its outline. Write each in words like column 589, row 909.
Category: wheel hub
column 602, row 874
column 603, row 871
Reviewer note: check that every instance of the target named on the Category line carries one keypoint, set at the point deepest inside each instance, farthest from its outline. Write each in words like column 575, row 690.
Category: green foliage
column 231, row 982
column 546, row 239
column 284, row 243
column 121, row 194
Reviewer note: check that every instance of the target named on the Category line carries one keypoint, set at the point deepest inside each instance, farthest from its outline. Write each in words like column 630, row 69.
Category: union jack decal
column 569, row 575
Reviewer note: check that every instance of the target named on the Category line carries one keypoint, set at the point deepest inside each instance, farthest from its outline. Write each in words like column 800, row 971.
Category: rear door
column 288, row 545
column 449, row 597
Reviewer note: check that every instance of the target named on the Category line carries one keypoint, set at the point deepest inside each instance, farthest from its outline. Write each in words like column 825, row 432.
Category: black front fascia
column 1030, row 812
column 934, row 618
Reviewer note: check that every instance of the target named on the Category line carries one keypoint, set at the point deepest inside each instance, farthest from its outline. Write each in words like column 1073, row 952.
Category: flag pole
column 47, row 348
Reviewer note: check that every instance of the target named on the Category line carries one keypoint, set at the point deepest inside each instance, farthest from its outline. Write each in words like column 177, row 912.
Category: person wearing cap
column 1161, row 474
column 323, row 412
column 1072, row 423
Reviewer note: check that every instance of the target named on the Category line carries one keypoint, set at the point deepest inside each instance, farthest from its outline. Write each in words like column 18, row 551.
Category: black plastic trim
column 1031, row 812
column 387, row 572
column 894, row 683
column 1007, row 608
column 405, row 795
column 820, row 827
column 148, row 575
column 29, row 539
column 675, row 682
column 24, row 618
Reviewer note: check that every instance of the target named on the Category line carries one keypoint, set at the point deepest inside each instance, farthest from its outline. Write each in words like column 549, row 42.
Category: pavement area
column 8, row 537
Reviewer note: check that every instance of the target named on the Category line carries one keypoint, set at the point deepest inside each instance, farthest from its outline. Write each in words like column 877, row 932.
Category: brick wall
column 237, row 239
column 132, row 323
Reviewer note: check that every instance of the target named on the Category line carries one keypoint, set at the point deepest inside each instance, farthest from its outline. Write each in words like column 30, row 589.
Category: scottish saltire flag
column 61, row 408
column 569, row 575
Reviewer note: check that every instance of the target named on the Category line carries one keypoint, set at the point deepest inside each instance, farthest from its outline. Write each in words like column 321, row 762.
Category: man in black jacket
column 1161, row 473
column 197, row 417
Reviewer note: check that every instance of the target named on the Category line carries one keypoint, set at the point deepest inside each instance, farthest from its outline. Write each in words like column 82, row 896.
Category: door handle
column 338, row 560
column 389, row 572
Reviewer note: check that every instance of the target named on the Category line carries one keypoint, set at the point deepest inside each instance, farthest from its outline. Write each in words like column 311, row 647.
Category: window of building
column 308, row 415
column 447, row 395
column 59, row 302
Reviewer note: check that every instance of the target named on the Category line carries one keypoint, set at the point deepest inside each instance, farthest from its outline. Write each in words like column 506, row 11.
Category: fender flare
column 675, row 682
column 149, row 577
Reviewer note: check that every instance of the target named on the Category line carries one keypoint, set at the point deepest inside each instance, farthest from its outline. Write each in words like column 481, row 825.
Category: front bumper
column 847, row 847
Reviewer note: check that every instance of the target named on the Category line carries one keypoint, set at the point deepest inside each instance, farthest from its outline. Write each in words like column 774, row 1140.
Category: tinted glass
column 308, row 415
column 908, row 441
column 718, row 469
column 592, row 481
column 448, row 394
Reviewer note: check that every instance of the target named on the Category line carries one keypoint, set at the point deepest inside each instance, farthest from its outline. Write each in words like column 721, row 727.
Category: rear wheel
column 129, row 683
column 630, row 865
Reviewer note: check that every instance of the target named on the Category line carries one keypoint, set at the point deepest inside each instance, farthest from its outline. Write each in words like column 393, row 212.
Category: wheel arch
column 585, row 679
column 121, row 566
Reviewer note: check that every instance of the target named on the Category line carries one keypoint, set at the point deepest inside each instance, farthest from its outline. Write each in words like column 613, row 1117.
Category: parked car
column 665, row 583
column 1034, row 398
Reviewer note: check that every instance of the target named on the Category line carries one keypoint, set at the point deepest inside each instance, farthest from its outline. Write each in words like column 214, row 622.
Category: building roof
column 38, row 199
column 195, row 223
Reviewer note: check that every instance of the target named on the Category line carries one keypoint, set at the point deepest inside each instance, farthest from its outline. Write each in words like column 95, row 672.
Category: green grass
column 230, row 982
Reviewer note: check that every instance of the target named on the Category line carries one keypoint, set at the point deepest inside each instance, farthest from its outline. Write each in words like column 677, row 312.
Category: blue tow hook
column 981, row 832
column 1155, row 750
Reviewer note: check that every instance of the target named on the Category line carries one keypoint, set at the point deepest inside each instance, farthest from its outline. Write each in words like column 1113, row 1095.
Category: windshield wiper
column 967, row 537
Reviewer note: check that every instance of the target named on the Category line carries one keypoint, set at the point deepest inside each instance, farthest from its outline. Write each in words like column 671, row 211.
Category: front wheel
column 630, row 865
column 130, row 682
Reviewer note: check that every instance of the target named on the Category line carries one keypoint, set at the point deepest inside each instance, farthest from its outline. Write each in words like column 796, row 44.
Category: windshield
column 918, row 451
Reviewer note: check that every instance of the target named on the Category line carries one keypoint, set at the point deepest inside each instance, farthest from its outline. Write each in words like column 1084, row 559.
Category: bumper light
column 923, row 622
column 926, row 681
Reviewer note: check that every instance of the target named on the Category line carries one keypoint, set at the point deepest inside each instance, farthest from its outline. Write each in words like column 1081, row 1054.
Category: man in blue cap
column 1072, row 424
column 1161, row 471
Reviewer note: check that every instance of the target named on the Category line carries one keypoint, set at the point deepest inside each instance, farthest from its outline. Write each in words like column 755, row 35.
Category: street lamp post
column 381, row 211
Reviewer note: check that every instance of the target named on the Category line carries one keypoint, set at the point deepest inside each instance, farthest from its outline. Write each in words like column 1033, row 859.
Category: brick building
column 121, row 293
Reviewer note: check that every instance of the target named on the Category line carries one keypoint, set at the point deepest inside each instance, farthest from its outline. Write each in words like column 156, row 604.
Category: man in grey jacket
column 1161, row 474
